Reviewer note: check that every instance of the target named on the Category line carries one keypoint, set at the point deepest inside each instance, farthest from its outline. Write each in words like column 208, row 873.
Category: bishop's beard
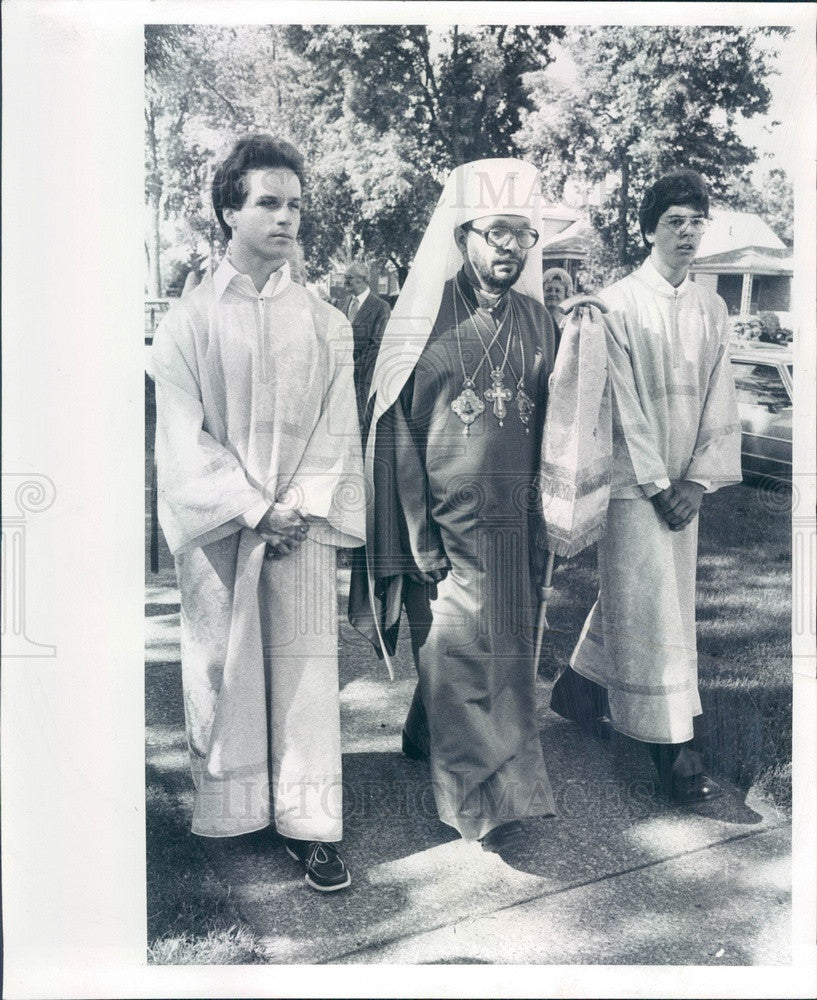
column 495, row 283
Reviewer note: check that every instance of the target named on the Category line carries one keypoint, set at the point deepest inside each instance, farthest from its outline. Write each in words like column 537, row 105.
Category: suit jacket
column 367, row 329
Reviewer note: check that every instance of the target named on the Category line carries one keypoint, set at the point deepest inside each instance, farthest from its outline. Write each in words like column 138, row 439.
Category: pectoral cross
column 498, row 395
column 467, row 405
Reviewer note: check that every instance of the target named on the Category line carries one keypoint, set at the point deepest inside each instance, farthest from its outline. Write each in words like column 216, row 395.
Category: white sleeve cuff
column 706, row 483
column 251, row 517
column 650, row 489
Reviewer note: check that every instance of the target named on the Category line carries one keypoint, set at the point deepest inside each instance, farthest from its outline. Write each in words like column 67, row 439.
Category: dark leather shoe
column 324, row 868
column 411, row 750
column 600, row 729
column 694, row 790
column 502, row 835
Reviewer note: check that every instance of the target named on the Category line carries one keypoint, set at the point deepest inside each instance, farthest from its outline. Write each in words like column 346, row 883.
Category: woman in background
column 557, row 285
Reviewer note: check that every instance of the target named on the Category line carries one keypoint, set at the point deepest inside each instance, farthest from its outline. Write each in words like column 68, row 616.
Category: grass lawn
column 192, row 919
column 744, row 637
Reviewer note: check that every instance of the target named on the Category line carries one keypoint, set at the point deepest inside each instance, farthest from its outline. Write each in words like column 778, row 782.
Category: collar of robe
column 228, row 276
column 650, row 276
column 479, row 299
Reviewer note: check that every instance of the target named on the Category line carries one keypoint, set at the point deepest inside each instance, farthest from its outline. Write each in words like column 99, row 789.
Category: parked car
column 763, row 380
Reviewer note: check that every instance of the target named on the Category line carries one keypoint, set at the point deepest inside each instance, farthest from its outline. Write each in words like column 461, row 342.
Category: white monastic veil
column 472, row 191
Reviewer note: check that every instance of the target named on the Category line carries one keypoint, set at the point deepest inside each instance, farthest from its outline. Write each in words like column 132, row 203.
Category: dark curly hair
column 683, row 187
column 253, row 152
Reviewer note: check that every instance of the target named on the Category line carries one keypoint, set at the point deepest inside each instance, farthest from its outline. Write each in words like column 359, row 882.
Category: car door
column 765, row 406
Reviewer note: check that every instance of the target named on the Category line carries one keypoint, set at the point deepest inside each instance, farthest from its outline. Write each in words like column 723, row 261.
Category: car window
column 760, row 385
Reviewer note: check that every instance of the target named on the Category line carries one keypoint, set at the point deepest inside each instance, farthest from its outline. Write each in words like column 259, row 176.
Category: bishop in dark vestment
column 457, row 405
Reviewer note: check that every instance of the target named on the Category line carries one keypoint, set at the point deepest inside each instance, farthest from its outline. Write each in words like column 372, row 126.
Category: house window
column 730, row 287
column 771, row 293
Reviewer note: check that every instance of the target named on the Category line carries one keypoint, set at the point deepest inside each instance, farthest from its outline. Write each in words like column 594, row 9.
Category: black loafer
column 694, row 790
column 494, row 840
column 597, row 726
column 600, row 728
column 324, row 869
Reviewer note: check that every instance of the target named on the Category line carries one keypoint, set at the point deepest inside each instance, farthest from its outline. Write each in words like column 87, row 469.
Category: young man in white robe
column 260, row 481
column 676, row 436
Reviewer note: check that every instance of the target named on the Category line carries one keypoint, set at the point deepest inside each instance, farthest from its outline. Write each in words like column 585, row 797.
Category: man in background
column 368, row 314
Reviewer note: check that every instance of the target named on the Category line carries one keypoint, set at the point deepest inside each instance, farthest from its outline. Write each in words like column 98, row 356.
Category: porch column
column 746, row 295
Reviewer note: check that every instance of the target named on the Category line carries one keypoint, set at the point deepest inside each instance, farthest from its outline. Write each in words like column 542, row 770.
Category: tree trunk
column 622, row 211
column 154, row 198
column 154, row 243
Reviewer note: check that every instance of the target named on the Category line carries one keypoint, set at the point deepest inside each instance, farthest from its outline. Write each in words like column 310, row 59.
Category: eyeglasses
column 500, row 236
column 679, row 223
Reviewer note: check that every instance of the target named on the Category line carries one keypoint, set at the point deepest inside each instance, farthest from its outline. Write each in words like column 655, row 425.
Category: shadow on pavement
column 391, row 799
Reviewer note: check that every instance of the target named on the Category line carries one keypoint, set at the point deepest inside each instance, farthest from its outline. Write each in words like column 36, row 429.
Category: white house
column 747, row 264
column 567, row 249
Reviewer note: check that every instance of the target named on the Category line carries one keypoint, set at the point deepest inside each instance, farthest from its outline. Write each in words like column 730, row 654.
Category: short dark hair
column 683, row 187
column 253, row 152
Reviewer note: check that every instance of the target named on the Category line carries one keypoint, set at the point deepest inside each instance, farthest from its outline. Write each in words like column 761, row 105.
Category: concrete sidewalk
column 619, row 877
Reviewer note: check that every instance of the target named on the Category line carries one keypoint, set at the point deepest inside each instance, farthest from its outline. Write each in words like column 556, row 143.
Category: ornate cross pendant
column 498, row 395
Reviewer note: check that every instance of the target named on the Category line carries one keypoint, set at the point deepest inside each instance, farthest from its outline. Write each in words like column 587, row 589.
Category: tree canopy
column 772, row 199
column 394, row 108
column 644, row 101
column 383, row 112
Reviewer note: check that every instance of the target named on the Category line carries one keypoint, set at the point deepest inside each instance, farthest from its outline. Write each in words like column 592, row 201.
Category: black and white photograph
column 409, row 553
